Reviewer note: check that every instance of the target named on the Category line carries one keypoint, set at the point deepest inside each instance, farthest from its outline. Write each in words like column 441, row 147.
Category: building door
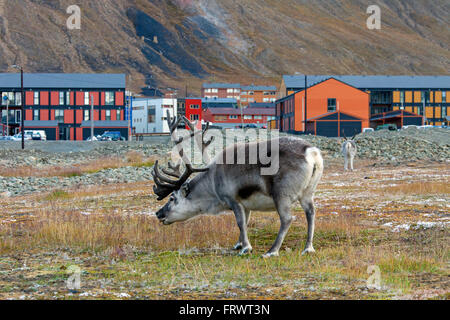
column 64, row 132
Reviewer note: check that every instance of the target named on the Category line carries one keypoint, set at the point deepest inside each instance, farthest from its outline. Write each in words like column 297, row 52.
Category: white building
column 149, row 114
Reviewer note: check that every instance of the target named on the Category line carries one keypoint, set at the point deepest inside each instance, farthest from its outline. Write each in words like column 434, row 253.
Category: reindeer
column 219, row 186
column 349, row 151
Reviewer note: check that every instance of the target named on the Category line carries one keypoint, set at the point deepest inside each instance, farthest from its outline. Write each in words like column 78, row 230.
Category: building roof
column 245, row 111
column 64, row 80
column 373, row 81
column 259, row 88
column 40, row 123
column 261, row 105
column 106, row 123
column 219, row 100
column 394, row 114
column 221, row 85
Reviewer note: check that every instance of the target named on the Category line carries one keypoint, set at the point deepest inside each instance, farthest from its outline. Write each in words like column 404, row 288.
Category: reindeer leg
column 238, row 244
column 240, row 214
column 308, row 206
column 284, row 210
column 351, row 163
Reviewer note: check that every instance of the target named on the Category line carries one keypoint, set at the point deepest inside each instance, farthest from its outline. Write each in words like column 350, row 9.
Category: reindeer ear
column 185, row 190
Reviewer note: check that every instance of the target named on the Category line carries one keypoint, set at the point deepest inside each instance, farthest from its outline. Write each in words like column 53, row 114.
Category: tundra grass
column 122, row 252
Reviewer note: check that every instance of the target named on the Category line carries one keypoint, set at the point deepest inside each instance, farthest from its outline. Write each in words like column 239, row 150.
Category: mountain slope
column 186, row 42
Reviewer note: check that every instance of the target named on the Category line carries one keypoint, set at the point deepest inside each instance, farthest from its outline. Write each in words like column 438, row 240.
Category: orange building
column 324, row 99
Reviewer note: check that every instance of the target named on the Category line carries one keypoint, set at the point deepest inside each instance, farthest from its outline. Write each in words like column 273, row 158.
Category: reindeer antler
column 345, row 137
column 164, row 185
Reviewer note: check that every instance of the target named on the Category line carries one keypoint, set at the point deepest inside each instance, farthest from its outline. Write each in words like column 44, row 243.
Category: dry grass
column 111, row 233
column 132, row 158
column 418, row 188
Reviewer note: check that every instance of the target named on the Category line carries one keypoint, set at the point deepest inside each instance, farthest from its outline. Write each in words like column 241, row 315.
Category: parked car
column 37, row 134
column 18, row 137
column 112, row 136
column 6, row 138
column 409, row 126
column 367, row 130
column 387, row 126
column 94, row 138
column 425, row 127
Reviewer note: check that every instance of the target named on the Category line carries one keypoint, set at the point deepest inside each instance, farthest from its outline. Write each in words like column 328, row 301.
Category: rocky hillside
column 179, row 42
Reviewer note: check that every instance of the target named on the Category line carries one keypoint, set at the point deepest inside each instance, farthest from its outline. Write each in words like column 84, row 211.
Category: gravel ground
column 391, row 148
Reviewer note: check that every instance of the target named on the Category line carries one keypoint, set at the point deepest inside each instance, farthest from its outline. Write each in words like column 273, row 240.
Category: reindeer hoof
column 245, row 251
column 270, row 254
column 308, row 250
column 237, row 246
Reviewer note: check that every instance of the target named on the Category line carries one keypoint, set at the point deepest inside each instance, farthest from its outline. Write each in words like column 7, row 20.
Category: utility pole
column 23, row 101
column 306, row 100
column 7, row 115
column 92, row 117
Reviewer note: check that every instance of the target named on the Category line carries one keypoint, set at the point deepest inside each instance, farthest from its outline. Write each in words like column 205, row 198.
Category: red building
column 60, row 103
column 193, row 109
column 221, row 90
column 232, row 117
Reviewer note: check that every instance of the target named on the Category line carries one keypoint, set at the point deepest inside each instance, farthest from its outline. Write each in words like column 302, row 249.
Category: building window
column 109, row 98
column 87, row 115
column 108, row 115
column 248, row 117
column 331, row 105
column 61, row 98
column 151, row 114
column 68, row 98
column 233, row 116
column 257, row 117
column 118, row 114
column 35, row 114
column 18, row 98
column 402, row 96
column 194, row 117
column 59, row 115
column 36, row 98
column 215, row 90
column 427, row 96
column 195, row 106
column 86, row 98
column 444, row 96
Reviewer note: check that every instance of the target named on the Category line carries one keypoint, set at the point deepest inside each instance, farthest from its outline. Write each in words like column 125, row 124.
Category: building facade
column 427, row 96
column 243, row 94
column 332, row 101
column 193, row 109
column 150, row 114
column 235, row 117
column 60, row 103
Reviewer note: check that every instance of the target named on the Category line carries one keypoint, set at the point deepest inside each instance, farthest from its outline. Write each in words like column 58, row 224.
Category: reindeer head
column 347, row 139
column 181, row 206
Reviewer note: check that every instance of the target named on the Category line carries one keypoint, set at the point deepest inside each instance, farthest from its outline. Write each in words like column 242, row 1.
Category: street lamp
column 22, row 104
